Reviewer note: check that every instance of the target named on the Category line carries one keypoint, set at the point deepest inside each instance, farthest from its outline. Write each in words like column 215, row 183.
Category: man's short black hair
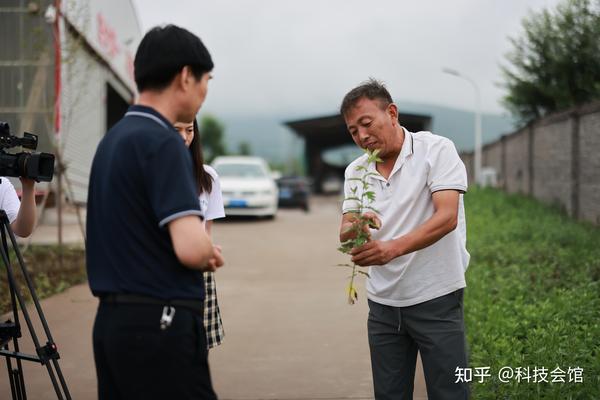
column 163, row 52
column 372, row 90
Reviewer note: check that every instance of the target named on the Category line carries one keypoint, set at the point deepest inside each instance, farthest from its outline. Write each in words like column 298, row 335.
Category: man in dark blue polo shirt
column 146, row 247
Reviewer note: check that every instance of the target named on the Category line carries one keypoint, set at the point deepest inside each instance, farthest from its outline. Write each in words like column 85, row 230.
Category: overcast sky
column 282, row 57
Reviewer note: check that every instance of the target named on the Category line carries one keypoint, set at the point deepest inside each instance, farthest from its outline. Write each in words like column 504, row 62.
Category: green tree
column 212, row 132
column 556, row 64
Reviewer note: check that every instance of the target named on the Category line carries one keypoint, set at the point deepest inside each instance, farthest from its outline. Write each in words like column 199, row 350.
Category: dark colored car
column 294, row 191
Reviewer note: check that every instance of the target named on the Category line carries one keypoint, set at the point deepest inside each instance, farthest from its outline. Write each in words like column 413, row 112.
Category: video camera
column 37, row 166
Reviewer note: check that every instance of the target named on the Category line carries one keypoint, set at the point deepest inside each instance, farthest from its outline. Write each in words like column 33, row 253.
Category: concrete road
column 289, row 332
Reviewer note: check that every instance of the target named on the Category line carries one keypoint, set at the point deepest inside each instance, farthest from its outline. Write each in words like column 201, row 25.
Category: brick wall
column 552, row 163
column 491, row 156
column 517, row 162
column 589, row 167
column 555, row 159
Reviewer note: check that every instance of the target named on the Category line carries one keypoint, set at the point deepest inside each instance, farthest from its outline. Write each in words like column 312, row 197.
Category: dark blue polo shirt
column 141, row 179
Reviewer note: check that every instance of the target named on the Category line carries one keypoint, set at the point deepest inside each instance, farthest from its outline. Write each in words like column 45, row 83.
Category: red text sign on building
column 107, row 37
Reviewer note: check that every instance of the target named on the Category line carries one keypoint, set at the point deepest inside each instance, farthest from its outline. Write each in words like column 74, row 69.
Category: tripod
column 46, row 355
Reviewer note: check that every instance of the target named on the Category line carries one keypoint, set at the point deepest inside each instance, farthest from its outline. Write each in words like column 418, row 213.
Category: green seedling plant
column 364, row 197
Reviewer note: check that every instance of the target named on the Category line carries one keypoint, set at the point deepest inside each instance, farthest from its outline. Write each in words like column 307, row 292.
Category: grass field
column 44, row 269
column 532, row 298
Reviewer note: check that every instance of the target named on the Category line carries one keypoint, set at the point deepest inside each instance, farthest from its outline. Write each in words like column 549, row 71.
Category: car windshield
column 240, row 170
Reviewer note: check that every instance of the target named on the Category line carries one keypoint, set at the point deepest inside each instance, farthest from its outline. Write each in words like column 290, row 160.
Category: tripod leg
column 21, row 380
column 51, row 362
column 15, row 378
column 61, row 377
column 11, row 376
column 55, row 383
column 47, row 354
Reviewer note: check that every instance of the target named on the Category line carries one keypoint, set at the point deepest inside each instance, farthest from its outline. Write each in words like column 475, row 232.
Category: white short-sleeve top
column 9, row 201
column 211, row 204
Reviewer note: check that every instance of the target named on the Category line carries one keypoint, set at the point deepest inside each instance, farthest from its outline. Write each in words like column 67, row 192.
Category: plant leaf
column 370, row 195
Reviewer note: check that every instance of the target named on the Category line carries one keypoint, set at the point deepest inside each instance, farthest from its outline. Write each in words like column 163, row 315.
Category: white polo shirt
column 427, row 163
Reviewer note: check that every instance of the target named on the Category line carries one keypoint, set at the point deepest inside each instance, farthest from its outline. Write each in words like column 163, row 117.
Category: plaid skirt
column 212, row 316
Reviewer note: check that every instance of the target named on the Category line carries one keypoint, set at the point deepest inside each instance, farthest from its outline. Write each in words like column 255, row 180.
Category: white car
column 248, row 186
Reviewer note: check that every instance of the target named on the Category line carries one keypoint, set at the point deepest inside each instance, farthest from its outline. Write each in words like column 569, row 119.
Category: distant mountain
column 269, row 138
column 459, row 125
column 266, row 135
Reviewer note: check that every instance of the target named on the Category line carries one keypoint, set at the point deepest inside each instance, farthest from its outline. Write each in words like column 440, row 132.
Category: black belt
column 196, row 306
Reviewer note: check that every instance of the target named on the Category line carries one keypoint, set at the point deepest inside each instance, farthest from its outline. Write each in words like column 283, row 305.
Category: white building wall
column 86, row 71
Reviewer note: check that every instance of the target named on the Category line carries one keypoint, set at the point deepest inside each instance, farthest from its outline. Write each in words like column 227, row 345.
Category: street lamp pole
column 477, row 150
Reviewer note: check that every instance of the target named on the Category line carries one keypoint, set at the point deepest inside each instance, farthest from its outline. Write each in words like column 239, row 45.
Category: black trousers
column 434, row 328
column 135, row 359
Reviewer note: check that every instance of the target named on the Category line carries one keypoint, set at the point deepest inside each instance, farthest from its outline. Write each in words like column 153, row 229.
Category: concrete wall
column 555, row 159
column 552, row 163
column 517, row 177
column 491, row 157
column 589, row 167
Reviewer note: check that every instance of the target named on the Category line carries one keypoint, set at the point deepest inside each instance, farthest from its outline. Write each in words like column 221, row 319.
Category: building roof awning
column 324, row 133
column 331, row 130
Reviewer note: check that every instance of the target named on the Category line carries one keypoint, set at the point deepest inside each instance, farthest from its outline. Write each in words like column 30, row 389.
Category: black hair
column 203, row 178
column 371, row 89
column 162, row 54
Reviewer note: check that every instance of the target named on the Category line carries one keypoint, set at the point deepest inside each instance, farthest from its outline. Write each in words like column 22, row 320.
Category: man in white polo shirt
column 417, row 256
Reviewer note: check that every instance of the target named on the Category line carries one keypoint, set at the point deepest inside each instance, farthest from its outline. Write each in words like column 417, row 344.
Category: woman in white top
column 211, row 205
